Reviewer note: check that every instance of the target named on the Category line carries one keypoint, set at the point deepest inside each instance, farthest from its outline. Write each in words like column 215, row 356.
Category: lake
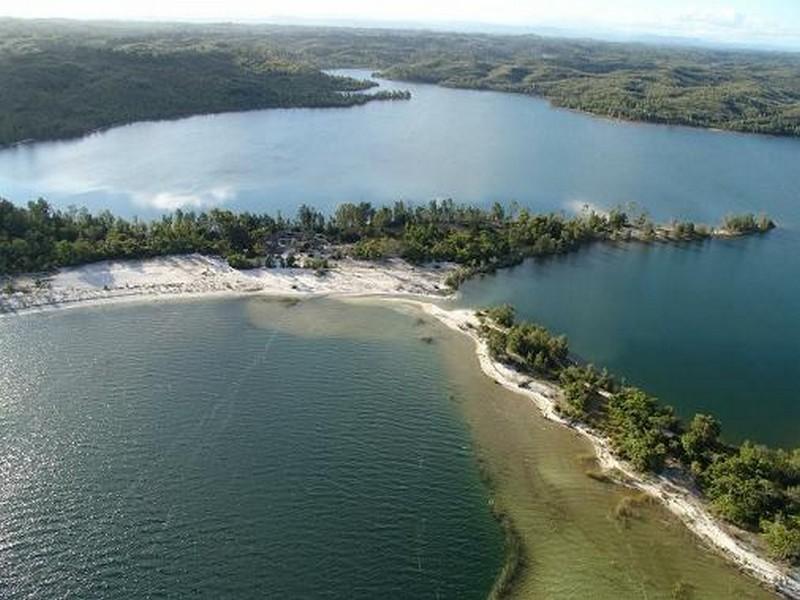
column 473, row 146
column 252, row 448
column 709, row 327
column 235, row 449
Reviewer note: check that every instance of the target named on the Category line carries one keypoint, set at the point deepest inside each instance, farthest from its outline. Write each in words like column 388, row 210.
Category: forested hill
column 63, row 79
column 737, row 90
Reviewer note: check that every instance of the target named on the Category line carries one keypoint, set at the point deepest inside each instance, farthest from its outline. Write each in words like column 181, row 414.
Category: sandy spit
column 197, row 275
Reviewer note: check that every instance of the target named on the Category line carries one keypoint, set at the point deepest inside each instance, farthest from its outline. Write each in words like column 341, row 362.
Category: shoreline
column 199, row 276
column 395, row 281
column 687, row 506
column 718, row 128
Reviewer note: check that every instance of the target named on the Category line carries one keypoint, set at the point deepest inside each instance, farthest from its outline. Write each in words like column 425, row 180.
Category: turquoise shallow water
column 234, row 449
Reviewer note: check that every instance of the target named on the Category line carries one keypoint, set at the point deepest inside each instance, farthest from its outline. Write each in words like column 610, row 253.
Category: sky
column 773, row 23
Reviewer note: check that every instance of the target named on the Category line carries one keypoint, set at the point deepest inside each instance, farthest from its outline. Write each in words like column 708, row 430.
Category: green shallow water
column 218, row 449
column 251, row 448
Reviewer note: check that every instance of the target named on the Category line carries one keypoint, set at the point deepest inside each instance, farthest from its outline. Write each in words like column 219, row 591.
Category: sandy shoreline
column 688, row 507
column 198, row 276
column 195, row 275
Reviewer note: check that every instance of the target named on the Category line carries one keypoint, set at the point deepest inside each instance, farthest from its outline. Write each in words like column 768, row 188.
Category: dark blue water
column 713, row 327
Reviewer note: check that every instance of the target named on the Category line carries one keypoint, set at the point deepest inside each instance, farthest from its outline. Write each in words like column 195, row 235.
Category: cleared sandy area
column 203, row 275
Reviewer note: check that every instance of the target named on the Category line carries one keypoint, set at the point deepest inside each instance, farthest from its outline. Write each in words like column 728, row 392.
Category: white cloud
column 170, row 201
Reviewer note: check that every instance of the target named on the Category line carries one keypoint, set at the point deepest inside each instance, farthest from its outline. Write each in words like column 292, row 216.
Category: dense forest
column 38, row 237
column 751, row 486
column 64, row 78
column 727, row 89
column 749, row 92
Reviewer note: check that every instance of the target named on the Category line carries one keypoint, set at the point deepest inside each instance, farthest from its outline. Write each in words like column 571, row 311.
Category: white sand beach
column 195, row 274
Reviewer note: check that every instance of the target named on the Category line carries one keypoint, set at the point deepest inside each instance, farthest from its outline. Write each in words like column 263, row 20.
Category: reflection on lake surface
column 234, row 449
column 472, row 146
column 706, row 327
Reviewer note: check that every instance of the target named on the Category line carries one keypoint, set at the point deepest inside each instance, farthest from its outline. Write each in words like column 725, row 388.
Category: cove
column 706, row 328
column 251, row 447
column 235, row 448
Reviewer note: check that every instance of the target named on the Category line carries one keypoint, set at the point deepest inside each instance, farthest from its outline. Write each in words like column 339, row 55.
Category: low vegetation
column 751, row 486
column 747, row 223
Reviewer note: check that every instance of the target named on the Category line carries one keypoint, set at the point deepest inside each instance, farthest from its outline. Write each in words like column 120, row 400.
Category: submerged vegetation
column 516, row 560
column 752, row 486
column 38, row 237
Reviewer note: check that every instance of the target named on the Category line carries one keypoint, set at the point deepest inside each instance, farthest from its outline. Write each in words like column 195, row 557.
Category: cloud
column 726, row 18
column 728, row 24
column 170, row 200
column 768, row 22
column 721, row 23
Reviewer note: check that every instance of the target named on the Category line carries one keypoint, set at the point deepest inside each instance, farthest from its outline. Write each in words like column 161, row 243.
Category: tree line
column 752, row 486
column 39, row 237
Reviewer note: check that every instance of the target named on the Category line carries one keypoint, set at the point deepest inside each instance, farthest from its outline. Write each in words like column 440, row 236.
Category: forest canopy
column 40, row 237
column 66, row 79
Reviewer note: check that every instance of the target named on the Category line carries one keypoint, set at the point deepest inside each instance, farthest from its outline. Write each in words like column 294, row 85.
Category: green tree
column 742, row 486
column 640, row 429
column 782, row 535
column 502, row 315
column 701, row 439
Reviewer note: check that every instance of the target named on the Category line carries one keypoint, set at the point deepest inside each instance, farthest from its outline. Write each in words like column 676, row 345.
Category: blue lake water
column 472, row 146
column 706, row 327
